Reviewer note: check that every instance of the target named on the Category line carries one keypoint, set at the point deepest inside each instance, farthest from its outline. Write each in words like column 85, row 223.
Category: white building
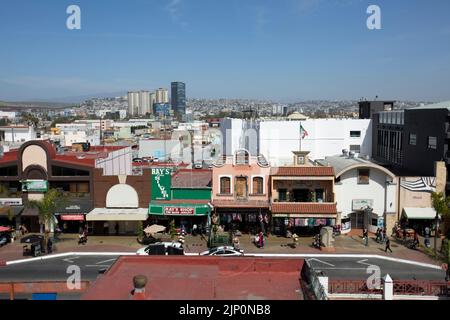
column 359, row 185
column 17, row 133
column 277, row 139
column 162, row 95
column 133, row 103
column 7, row 114
column 144, row 102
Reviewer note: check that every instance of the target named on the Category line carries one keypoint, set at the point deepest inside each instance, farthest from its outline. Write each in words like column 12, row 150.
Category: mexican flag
column 303, row 132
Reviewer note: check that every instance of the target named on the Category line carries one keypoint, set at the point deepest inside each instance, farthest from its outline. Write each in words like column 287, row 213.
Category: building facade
column 178, row 97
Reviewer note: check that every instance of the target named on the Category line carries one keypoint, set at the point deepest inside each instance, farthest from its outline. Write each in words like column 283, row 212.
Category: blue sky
column 276, row 49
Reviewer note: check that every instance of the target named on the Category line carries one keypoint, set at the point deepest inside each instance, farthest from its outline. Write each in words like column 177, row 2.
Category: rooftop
column 201, row 278
column 307, row 171
column 195, row 178
column 342, row 163
column 440, row 105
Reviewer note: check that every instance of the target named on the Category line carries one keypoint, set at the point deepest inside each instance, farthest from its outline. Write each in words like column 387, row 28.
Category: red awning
column 72, row 217
column 4, row 229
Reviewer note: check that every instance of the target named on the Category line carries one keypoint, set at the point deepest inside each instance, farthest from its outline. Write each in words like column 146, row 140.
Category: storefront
column 247, row 216
column 10, row 210
column 122, row 214
column 71, row 215
column 183, row 197
column 419, row 219
column 302, row 218
column 184, row 215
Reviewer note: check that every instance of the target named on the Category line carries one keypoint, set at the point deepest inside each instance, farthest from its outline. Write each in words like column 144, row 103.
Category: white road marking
column 320, row 261
column 337, row 268
column 70, row 260
column 104, row 261
column 97, row 265
column 363, row 262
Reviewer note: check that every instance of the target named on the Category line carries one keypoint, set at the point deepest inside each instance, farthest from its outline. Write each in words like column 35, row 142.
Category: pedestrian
column 116, row 228
column 261, row 240
column 65, row 227
column 105, row 228
column 49, row 245
column 388, row 245
column 194, row 229
column 404, row 235
column 365, row 237
column 378, row 234
column 236, row 243
column 383, row 235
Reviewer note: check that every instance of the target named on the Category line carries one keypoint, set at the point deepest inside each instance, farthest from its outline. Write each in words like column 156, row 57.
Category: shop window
column 432, row 142
column 258, row 185
column 282, row 194
column 225, row 185
column 363, row 176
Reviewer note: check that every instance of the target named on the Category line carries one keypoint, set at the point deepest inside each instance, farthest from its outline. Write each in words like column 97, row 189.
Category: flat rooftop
column 201, row 278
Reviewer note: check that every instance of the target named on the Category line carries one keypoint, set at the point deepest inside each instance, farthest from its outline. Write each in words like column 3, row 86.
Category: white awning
column 117, row 214
column 419, row 213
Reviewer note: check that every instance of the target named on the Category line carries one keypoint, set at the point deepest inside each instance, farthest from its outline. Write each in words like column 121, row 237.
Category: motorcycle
column 316, row 241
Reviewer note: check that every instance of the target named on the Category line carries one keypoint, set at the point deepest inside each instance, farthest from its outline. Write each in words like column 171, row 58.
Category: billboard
column 161, row 183
column 35, row 185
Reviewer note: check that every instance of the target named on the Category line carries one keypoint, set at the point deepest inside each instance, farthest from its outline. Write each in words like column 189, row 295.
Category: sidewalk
column 344, row 244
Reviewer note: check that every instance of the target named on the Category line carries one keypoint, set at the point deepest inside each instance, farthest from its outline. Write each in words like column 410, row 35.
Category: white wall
column 326, row 137
column 19, row 134
column 118, row 162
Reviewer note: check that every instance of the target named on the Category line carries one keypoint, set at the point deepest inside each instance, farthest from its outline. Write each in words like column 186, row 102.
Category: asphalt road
column 56, row 268
column 335, row 268
column 356, row 268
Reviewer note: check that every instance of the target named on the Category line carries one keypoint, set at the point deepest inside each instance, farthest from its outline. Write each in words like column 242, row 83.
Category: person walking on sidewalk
column 378, row 234
column 388, row 245
column 365, row 237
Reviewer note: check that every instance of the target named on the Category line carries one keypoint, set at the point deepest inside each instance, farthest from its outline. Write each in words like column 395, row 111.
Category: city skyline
column 283, row 51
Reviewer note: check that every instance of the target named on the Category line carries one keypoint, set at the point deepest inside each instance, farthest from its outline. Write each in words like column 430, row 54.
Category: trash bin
column 36, row 249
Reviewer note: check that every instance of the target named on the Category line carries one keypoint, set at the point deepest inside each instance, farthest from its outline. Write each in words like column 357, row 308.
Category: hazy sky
column 277, row 49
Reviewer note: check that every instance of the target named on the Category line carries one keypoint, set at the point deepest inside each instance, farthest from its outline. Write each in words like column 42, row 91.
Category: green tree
column 440, row 204
column 47, row 206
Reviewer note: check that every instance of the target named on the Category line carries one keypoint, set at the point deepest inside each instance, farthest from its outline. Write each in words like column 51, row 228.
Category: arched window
column 258, row 187
column 225, row 185
column 242, row 157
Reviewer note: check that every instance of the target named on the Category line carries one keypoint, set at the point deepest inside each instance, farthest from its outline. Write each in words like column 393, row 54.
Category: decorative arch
column 35, row 172
column 122, row 196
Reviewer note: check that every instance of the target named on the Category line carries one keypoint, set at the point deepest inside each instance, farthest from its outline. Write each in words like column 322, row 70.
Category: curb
column 281, row 255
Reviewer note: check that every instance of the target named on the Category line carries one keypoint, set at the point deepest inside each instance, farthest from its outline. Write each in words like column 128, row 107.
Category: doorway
column 357, row 220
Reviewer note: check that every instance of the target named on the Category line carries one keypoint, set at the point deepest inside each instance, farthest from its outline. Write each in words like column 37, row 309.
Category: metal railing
column 351, row 287
column 421, row 288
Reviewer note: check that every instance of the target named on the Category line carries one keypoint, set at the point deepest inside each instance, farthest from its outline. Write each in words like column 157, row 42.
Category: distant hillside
column 34, row 104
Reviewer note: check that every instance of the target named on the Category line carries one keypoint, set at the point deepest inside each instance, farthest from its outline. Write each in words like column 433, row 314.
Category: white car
column 143, row 252
column 226, row 251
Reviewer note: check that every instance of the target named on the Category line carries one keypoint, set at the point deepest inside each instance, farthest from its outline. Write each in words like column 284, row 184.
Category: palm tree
column 47, row 206
column 441, row 205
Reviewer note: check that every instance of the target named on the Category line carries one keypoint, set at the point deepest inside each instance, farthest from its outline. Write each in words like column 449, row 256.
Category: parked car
column 145, row 251
column 227, row 251
column 198, row 165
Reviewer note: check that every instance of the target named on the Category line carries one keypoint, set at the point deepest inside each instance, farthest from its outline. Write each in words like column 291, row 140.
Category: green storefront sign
column 161, row 183
column 184, row 209
column 35, row 185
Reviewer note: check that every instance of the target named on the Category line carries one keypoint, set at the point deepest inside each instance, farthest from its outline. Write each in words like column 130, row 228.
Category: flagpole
column 300, row 138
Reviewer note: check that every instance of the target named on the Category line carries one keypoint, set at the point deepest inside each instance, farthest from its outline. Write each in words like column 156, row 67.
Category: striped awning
column 117, row 214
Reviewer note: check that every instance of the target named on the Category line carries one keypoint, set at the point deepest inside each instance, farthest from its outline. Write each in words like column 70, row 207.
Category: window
column 225, row 185
column 363, row 176
column 355, row 134
column 356, row 148
column 432, row 142
column 258, row 187
column 412, row 139
column 242, row 157
column 8, row 171
column 300, row 160
column 282, row 194
column 68, row 172
column 319, row 195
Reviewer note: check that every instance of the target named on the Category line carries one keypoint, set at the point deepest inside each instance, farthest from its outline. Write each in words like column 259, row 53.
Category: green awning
column 179, row 209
